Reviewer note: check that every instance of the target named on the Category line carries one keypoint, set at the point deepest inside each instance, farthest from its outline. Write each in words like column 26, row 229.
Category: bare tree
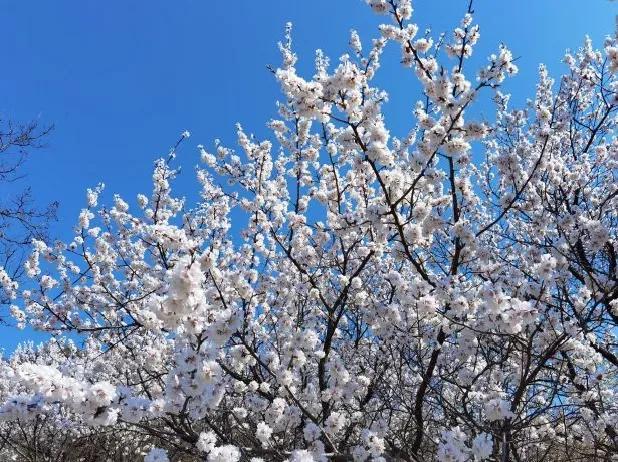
column 21, row 219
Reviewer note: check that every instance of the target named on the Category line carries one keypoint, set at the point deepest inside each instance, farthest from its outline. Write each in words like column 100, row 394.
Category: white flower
column 227, row 453
column 206, row 441
column 301, row 455
column 263, row 433
column 102, row 393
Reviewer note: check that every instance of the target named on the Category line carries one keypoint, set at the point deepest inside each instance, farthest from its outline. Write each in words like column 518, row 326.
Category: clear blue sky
column 121, row 79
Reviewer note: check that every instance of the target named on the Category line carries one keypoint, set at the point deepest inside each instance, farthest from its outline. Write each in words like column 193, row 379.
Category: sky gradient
column 120, row 80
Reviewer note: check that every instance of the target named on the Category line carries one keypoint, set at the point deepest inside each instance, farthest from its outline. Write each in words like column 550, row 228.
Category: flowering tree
column 448, row 295
column 34, row 429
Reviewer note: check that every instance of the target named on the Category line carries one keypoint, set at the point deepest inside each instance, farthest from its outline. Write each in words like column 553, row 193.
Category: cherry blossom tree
column 34, row 429
column 338, row 293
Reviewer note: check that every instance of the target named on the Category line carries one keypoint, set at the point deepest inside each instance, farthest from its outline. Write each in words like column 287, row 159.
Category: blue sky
column 121, row 79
